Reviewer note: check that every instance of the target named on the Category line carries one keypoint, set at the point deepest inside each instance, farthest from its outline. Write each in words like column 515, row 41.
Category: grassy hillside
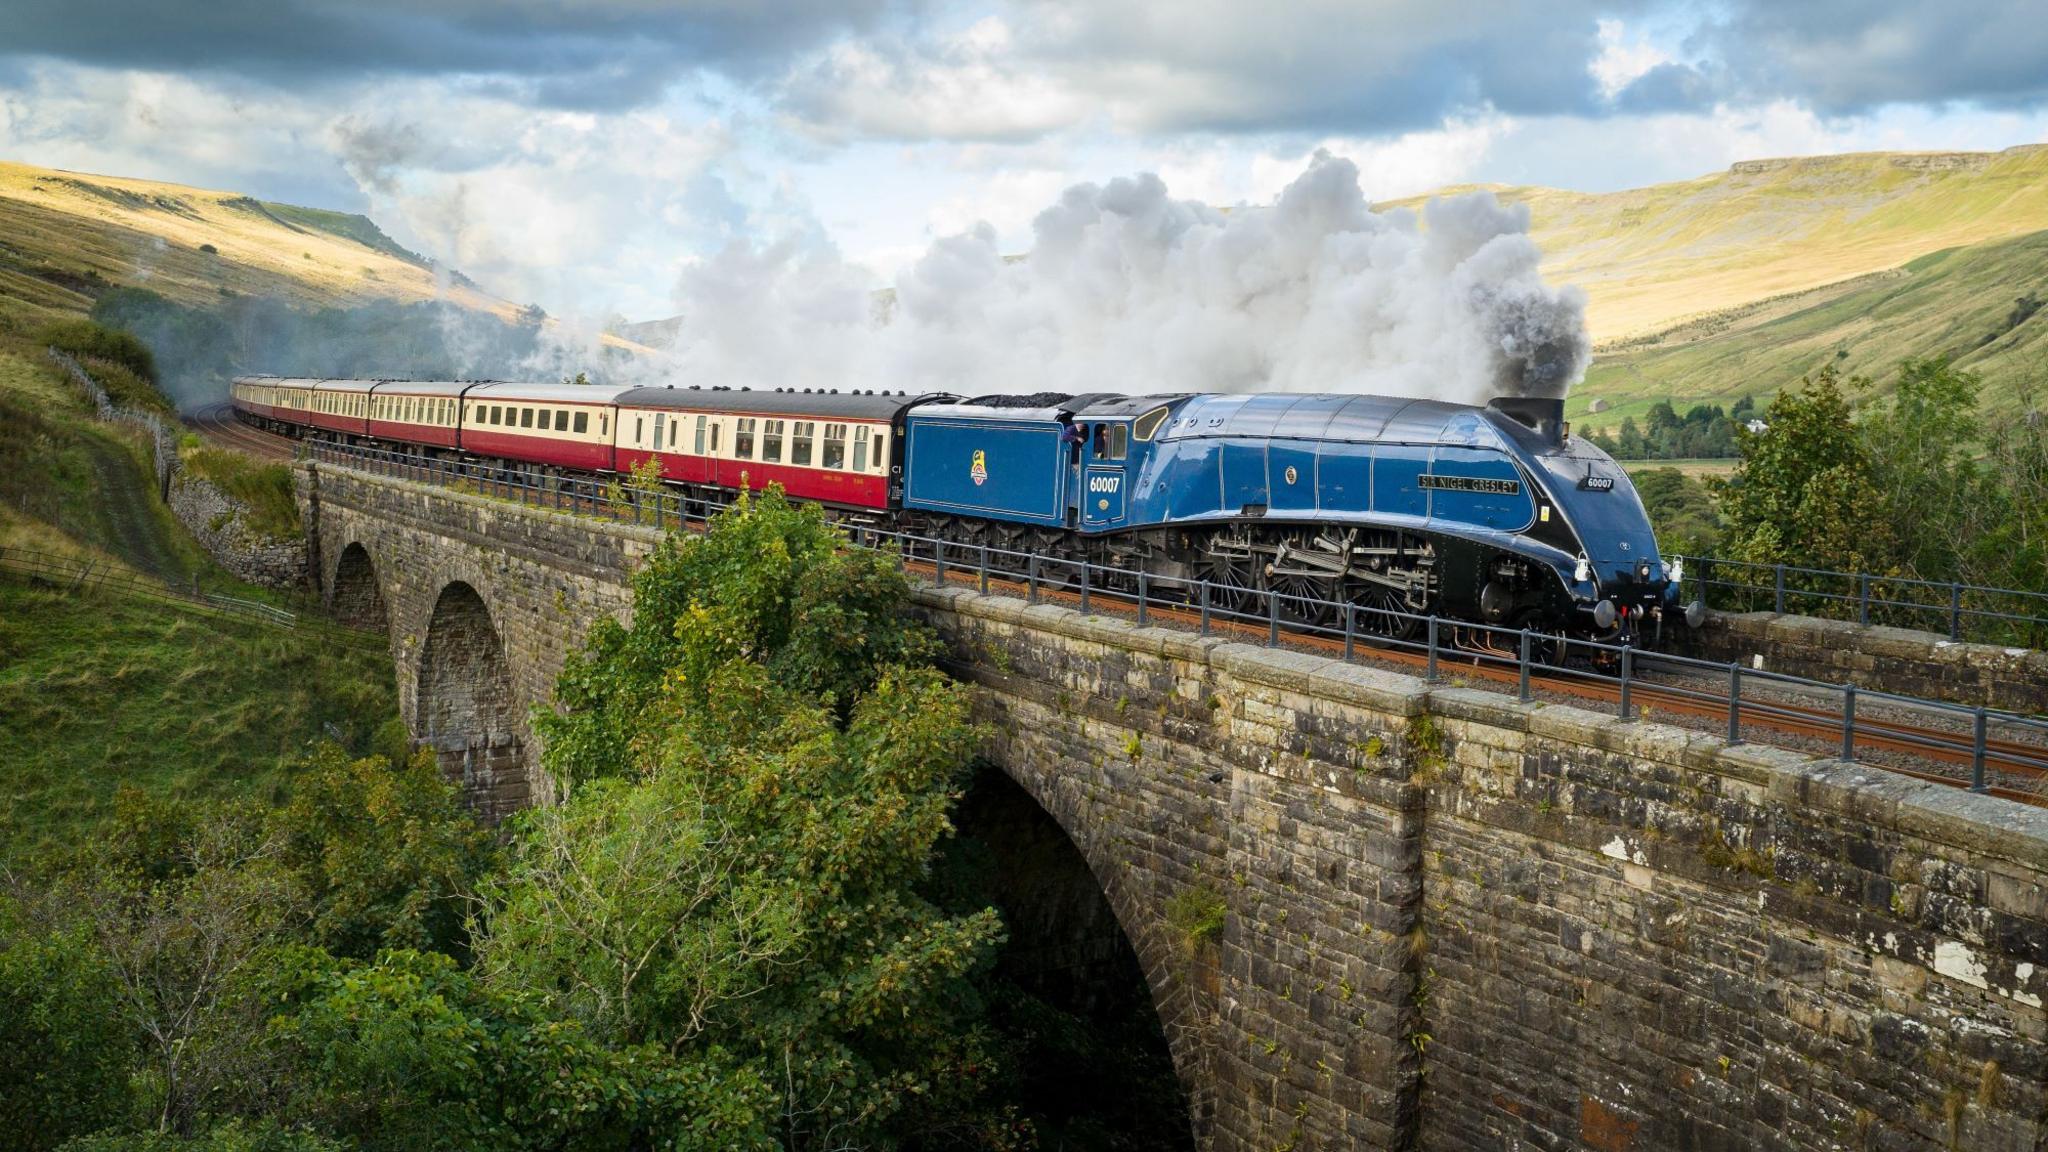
column 1964, row 302
column 66, row 237
column 1652, row 257
column 101, row 689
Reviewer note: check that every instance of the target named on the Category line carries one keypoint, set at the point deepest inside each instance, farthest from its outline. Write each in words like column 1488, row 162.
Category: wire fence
column 1961, row 611
column 163, row 440
column 74, row 575
column 2001, row 752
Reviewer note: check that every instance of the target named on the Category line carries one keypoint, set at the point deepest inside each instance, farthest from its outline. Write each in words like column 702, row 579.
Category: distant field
column 65, row 237
column 1650, row 258
column 1715, row 467
column 1961, row 301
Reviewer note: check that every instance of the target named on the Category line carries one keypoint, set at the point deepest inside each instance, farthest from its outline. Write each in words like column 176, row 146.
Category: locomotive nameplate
column 1470, row 484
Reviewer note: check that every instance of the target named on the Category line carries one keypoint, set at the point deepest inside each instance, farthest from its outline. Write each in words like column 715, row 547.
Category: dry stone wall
column 219, row 522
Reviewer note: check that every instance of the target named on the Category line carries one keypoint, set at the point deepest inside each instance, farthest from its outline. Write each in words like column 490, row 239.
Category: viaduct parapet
column 1376, row 913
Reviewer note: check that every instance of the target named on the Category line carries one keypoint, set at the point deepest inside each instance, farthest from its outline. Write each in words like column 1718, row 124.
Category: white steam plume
column 1128, row 290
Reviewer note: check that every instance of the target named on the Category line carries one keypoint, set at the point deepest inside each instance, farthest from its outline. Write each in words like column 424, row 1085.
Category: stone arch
column 1173, row 979
column 354, row 594
column 1069, row 948
column 465, row 707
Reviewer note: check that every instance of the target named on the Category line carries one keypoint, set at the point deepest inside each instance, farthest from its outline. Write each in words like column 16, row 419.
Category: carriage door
column 1102, row 481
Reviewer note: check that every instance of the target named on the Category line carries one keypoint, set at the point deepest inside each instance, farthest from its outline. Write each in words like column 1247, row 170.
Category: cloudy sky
column 592, row 156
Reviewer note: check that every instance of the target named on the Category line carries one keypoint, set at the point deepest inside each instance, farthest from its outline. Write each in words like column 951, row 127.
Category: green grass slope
column 1960, row 301
column 101, row 689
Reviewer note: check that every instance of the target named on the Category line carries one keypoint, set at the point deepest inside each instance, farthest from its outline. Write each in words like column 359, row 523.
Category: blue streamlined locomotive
column 1416, row 506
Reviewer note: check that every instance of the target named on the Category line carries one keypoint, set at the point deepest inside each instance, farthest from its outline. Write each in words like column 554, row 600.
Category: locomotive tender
column 1493, row 514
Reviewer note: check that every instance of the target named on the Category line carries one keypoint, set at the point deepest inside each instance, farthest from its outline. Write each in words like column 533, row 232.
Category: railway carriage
column 832, row 447
column 415, row 412
column 568, row 426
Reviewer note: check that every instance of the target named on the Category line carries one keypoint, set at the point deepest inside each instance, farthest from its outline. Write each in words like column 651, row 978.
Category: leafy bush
column 64, row 1043
column 86, row 338
column 266, row 490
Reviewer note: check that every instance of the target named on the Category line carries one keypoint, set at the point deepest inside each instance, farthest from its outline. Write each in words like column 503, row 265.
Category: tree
column 763, row 768
column 385, row 856
column 1805, row 491
column 64, row 1045
column 412, row 1052
column 1682, row 511
column 1922, row 444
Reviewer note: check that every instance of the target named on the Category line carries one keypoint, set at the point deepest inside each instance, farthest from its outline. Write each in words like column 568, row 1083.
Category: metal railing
column 1837, row 715
column 1962, row 611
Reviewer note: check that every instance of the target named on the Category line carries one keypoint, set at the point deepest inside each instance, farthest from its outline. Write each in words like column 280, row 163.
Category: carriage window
column 714, row 439
column 800, row 443
column 639, row 428
column 743, row 438
column 604, row 425
column 561, row 420
column 526, row 417
column 582, row 422
column 496, row 413
column 881, row 452
column 860, row 449
column 771, row 439
column 1148, row 424
column 673, row 425
column 700, row 436
column 835, row 446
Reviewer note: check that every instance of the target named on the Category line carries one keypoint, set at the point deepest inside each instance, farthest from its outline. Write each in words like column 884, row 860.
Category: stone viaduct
column 1373, row 912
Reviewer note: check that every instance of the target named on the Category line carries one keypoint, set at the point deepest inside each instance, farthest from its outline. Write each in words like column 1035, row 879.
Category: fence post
column 1848, row 722
column 1863, row 597
column 1272, row 618
column 1955, row 611
column 1084, row 587
column 939, row 562
column 1031, row 579
column 1523, row 665
column 1734, row 704
column 1203, row 596
column 1627, row 670
column 1430, row 676
column 982, row 580
column 1977, row 753
column 1144, row 594
column 1779, row 600
column 1350, row 628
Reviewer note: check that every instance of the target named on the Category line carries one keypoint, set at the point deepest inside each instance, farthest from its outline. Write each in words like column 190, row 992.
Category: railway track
column 2014, row 770
column 217, row 422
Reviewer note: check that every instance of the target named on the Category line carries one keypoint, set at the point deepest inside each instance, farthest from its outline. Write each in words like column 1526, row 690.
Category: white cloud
column 1624, row 57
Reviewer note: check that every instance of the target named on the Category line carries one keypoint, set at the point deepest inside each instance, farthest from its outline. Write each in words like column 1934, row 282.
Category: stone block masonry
column 1457, row 921
column 1896, row 660
column 484, row 601
column 1376, row 913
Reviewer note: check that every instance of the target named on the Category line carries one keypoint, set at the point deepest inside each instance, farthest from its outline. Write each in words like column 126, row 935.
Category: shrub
column 85, row 338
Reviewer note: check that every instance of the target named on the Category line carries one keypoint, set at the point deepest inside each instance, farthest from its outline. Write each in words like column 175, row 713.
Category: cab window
column 1111, row 441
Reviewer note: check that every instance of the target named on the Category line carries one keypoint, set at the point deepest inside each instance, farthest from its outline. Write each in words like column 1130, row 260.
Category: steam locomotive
column 1493, row 514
